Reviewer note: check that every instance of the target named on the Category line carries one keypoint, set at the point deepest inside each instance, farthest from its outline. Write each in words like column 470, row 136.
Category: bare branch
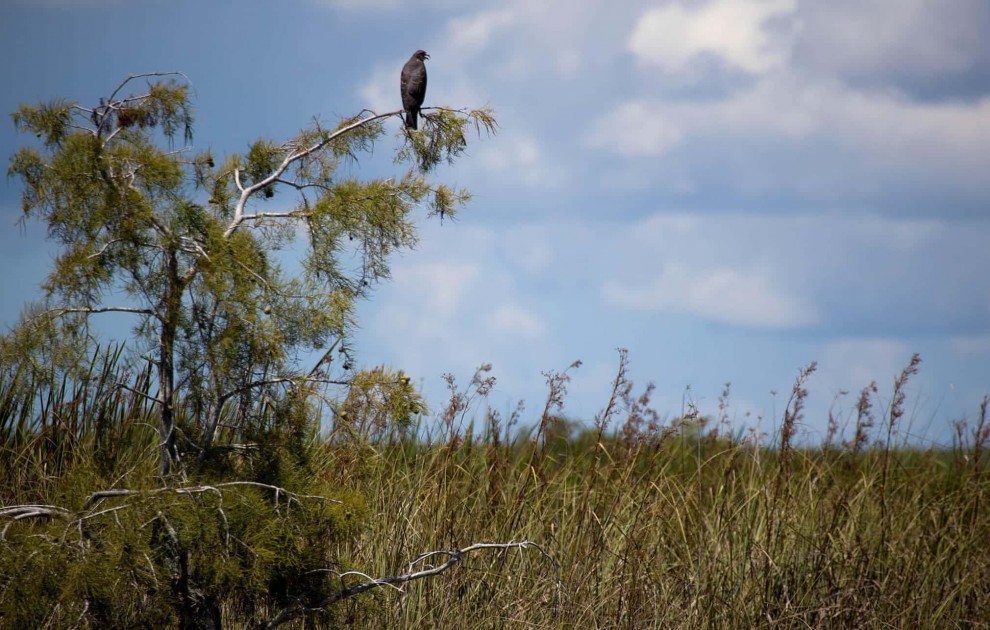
column 18, row 512
column 146, row 74
column 295, row 156
column 189, row 490
column 103, row 309
column 293, row 214
column 104, row 248
column 194, row 247
column 453, row 557
column 299, row 186
column 292, row 381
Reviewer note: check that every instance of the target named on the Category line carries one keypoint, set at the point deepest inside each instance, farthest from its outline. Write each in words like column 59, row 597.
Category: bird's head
column 422, row 55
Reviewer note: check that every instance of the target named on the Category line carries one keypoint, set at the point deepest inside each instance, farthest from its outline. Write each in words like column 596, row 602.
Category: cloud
column 856, row 292
column 637, row 128
column 527, row 248
column 438, row 286
column 368, row 6
column 725, row 295
column 520, row 157
column 472, row 34
column 365, row 5
column 837, row 273
column 921, row 46
column 673, row 35
column 516, row 321
column 813, row 141
column 380, row 92
column 852, row 364
column 450, row 307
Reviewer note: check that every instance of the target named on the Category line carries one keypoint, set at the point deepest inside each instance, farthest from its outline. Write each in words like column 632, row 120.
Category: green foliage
column 378, row 402
column 244, row 516
column 652, row 524
column 445, row 136
column 48, row 121
column 197, row 256
column 112, row 549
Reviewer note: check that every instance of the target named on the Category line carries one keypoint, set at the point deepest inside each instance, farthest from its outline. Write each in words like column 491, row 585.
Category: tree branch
column 58, row 312
column 453, row 557
column 123, row 492
column 146, row 74
column 15, row 513
column 295, row 156
column 293, row 214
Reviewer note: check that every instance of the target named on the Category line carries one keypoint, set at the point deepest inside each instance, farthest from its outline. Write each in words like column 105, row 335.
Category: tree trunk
column 166, row 368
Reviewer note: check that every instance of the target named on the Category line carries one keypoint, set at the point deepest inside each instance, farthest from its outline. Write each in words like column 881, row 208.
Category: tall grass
column 684, row 526
column 679, row 524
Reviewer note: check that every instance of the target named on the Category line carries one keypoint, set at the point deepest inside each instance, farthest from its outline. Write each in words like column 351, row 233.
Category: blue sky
column 730, row 189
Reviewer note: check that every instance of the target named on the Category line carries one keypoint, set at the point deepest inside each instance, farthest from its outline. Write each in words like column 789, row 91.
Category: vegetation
column 629, row 523
column 207, row 480
column 187, row 241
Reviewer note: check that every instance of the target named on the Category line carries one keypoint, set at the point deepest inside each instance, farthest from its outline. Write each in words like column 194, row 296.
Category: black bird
column 412, row 84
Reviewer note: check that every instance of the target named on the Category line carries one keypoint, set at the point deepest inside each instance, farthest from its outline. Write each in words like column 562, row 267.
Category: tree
column 190, row 243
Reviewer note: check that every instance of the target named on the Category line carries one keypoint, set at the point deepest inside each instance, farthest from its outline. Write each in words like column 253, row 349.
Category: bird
column 412, row 84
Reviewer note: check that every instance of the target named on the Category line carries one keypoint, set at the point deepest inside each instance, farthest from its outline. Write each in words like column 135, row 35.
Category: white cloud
column 671, row 36
column 852, row 364
column 527, row 248
column 851, row 272
column 747, row 298
column 380, row 93
column 389, row 5
column 440, row 286
column 637, row 128
column 520, row 157
column 472, row 34
column 884, row 131
column 860, row 38
column 470, row 295
column 517, row 321
column 451, row 306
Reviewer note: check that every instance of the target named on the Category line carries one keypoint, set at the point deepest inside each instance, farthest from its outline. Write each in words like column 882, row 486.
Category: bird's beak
column 427, row 55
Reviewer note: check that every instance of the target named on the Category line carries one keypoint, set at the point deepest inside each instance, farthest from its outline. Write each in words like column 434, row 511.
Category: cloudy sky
column 730, row 189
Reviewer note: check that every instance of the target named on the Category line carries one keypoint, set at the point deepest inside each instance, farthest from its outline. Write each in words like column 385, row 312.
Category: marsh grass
column 685, row 525
column 652, row 524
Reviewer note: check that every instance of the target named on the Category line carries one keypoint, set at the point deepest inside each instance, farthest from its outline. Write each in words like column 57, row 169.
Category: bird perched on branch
column 413, row 86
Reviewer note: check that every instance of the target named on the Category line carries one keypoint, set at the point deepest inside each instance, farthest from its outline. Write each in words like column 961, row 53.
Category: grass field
column 623, row 522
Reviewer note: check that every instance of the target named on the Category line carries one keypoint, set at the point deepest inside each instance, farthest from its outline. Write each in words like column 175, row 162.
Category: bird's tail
column 411, row 120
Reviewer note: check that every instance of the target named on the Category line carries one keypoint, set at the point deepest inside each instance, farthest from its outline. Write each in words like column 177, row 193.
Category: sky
column 730, row 189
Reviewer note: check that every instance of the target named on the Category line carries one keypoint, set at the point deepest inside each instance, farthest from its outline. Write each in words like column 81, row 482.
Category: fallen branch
column 453, row 557
column 121, row 492
column 19, row 512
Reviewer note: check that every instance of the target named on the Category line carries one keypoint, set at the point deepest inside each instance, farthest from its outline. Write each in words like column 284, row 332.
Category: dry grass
column 677, row 526
column 650, row 524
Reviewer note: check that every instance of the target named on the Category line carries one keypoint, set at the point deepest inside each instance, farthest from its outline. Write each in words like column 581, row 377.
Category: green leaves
column 49, row 121
column 262, row 159
column 201, row 261
column 444, row 136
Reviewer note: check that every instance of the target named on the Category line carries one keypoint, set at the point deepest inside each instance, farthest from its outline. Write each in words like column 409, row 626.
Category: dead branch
column 395, row 581
column 19, row 512
column 188, row 490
